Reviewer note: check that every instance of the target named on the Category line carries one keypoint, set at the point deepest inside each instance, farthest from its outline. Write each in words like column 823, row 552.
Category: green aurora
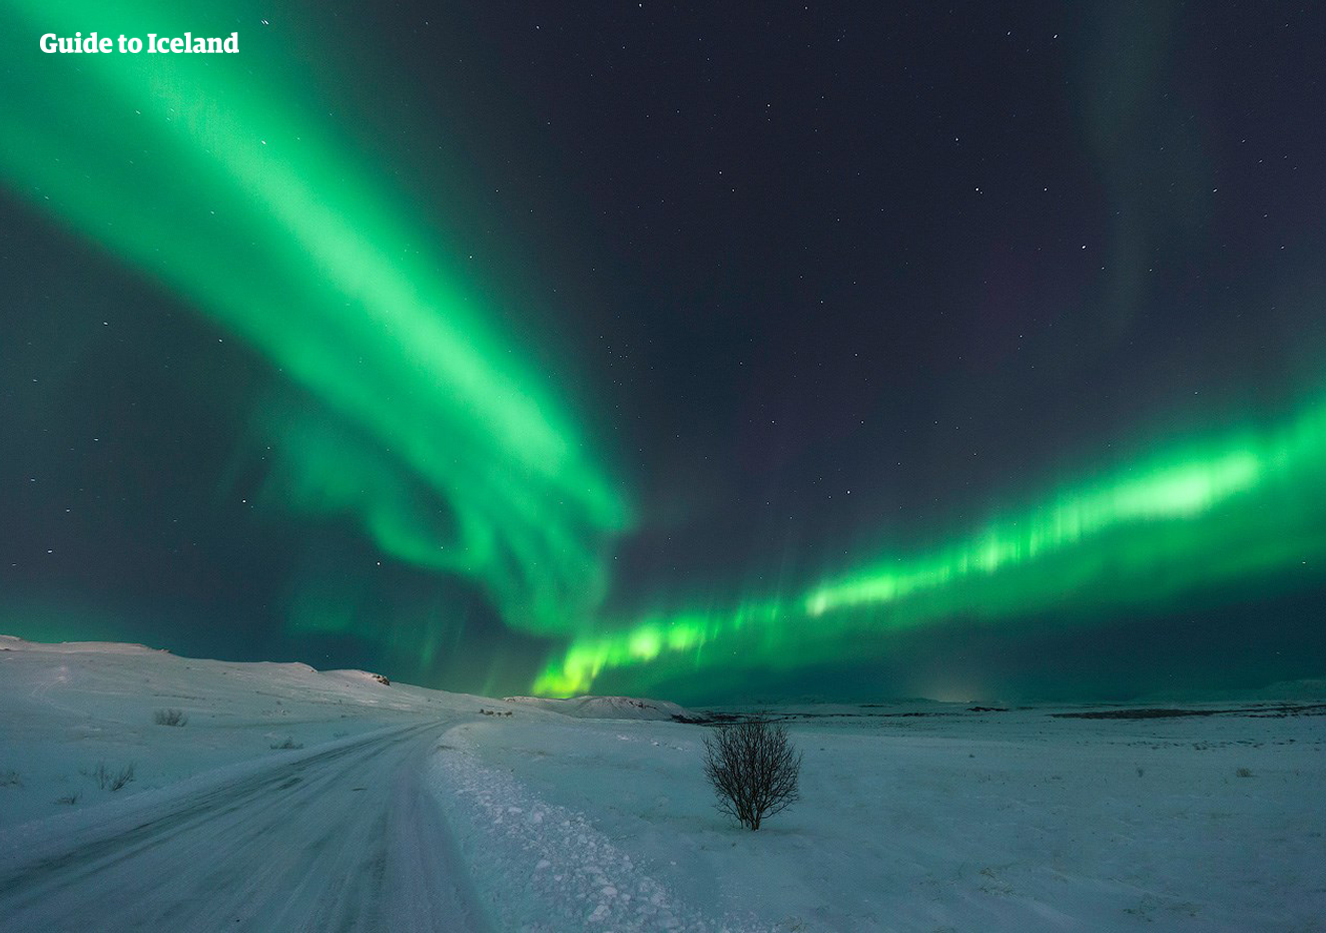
column 200, row 173
column 1239, row 504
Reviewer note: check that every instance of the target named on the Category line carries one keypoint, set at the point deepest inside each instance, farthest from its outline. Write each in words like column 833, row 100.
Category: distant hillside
column 590, row 707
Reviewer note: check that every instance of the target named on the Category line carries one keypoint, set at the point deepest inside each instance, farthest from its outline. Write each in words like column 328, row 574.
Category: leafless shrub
column 110, row 780
column 753, row 769
column 287, row 744
column 170, row 717
column 1244, row 772
column 125, row 775
column 69, row 799
column 10, row 779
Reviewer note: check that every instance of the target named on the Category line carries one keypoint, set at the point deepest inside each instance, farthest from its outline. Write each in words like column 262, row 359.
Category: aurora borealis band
column 512, row 347
column 1240, row 504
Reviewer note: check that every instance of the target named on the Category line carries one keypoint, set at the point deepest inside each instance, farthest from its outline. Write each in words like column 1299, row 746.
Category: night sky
column 712, row 351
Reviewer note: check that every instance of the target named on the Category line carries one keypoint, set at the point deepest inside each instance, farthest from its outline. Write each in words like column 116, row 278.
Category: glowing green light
column 216, row 175
column 1233, row 506
column 1181, row 491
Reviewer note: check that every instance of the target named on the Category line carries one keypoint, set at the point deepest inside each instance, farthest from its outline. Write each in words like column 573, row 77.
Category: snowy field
column 293, row 799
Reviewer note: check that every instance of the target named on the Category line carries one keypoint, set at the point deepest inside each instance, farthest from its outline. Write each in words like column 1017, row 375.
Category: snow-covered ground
column 928, row 818
column 411, row 809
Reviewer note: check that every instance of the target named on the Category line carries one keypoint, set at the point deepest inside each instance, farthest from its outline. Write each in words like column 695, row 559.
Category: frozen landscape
column 949, row 378
column 292, row 799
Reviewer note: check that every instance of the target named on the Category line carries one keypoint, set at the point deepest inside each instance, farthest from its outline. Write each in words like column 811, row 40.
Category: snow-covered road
column 343, row 837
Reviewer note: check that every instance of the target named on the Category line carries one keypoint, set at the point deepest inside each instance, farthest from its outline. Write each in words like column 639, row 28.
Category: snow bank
column 547, row 868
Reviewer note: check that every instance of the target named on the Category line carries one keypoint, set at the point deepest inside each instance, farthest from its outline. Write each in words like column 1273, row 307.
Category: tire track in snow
column 343, row 839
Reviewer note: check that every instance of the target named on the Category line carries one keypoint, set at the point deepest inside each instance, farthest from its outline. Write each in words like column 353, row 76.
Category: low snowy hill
column 591, row 707
column 67, row 709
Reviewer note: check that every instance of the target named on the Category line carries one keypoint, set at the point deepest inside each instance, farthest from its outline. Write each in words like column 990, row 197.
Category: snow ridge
column 564, row 875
